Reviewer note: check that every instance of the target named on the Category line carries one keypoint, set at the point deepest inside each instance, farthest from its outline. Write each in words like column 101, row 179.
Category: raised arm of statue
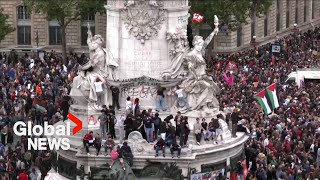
column 89, row 39
column 209, row 38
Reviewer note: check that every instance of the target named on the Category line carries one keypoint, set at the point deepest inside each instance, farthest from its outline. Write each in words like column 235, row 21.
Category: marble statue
column 93, row 75
column 190, row 66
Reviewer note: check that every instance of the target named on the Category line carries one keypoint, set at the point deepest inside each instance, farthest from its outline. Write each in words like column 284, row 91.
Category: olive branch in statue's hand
column 89, row 30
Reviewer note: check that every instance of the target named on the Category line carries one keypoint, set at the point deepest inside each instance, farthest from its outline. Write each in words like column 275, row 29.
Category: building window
column 265, row 26
column 278, row 16
column 313, row 8
column 252, row 30
column 54, row 35
column 85, row 19
column 296, row 17
column 23, row 26
column 239, row 36
column 22, row 12
column 288, row 15
column 24, row 35
column 305, row 11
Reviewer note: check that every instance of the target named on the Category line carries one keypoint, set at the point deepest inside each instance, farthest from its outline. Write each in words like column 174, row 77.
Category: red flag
column 245, row 169
column 231, row 66
column 234, row 176
column 218, row 65
column 197, row 17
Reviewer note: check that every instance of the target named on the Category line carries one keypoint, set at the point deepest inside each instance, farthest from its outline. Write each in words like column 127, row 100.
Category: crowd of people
column 284, row 144
column 31, row 90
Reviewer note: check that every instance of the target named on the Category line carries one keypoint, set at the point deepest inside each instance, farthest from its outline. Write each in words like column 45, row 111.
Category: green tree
column 232, row 13
column 5, row 28
column 65, row 11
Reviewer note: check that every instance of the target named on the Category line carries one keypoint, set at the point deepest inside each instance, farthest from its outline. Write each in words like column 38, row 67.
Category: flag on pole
column 272, row 95
column 197, row 17
column 262, row 99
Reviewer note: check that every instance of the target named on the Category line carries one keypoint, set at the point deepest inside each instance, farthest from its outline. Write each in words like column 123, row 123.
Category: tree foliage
column 232, row 13
column 5, row 28
column 65, row 11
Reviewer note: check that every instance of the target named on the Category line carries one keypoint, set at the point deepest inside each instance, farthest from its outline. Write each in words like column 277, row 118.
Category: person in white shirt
column 181, row 98
column 128, row 105
column 265, row 142
column 33, row 175
column 121, row 127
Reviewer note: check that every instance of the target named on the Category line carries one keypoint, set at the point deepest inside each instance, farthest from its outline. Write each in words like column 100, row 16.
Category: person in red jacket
column 88, row 141
column 23, row 176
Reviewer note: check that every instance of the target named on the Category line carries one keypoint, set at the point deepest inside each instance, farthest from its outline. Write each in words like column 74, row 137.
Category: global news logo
column 45, row 137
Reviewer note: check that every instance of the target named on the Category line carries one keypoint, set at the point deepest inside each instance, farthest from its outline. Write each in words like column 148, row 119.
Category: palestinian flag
column 272, row 95
column 262, row 99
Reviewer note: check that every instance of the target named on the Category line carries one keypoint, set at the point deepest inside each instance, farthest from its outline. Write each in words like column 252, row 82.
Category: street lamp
column 295, row 28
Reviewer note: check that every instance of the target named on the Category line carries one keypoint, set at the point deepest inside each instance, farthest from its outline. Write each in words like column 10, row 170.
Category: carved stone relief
column 179, row 39
column 143, row 18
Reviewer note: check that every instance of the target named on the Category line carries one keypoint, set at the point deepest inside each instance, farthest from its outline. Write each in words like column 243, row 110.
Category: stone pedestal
column 89, row 118
column 141, row 48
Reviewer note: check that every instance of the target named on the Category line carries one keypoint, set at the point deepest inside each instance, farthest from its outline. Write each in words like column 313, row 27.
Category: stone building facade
column 35, row 30
column 278, row 22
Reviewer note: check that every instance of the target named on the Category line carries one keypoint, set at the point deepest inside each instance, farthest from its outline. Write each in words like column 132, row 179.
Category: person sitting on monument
column 97, row 143
column 127, row 153
column 109, row 144
column 160, row 145
column 175, row 147
column 88, row 141
column 211, row 130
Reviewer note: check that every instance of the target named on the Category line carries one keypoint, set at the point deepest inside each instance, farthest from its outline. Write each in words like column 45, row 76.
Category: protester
column 283, row 144
column 109, row 144
column 175, row 147
column 97, row 143
column 88, row 141
column 197, row 128
column 160, row 145
column 115, row 97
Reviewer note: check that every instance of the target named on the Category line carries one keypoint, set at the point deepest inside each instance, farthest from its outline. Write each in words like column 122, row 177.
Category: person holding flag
column 268, row 99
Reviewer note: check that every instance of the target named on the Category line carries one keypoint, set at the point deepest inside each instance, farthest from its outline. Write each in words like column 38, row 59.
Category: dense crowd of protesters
column 30, row 90
column 282, row 145
column 286, row 143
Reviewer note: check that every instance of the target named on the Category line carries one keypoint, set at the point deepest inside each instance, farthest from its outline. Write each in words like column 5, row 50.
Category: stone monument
column 136, row 37
column 189, row 65
column 89, row 88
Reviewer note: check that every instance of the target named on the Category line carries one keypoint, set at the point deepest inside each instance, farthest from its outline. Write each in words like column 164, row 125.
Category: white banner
column 208, row 175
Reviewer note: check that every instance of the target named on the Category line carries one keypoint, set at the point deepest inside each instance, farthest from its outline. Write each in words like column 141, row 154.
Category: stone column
column 228, row 165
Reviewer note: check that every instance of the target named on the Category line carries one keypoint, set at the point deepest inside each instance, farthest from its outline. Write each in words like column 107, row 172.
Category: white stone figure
column 130, row 3
column 98, row 69
column 153, row 3
column 190, row 66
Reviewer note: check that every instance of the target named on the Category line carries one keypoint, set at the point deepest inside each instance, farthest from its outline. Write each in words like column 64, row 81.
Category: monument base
column 90, row 122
